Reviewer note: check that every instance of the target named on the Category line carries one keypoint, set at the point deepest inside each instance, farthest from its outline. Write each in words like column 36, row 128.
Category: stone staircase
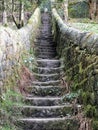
column 45, row 108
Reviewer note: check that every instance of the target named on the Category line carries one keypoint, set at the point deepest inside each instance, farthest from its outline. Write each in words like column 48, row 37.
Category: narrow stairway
column 46, row 109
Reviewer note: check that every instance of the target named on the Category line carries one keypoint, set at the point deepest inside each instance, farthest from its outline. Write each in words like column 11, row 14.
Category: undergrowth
column 14, row 89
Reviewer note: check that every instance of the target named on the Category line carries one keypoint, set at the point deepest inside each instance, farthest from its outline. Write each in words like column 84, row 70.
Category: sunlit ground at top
column 84, row 25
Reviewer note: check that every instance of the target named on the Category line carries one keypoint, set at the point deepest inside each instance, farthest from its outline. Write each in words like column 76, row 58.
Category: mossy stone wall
column 80, row 64
column 13, row 43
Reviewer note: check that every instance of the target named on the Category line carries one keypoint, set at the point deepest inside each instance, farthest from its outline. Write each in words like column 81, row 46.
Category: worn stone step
column 46, row 111
column 43, row 101
column 52, row 53
column 64, row 123
column 45, row 53
column 47, row 83
column 46, row 57
column 44, row 42
column 46, row 77
column 45, row 90
column 46, row 70
column 45, row 47
column 45, row 50
column 44, row 37
column 49, row 63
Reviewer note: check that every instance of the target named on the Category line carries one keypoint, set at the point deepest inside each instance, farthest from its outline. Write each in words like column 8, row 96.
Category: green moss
column 8, row 127
column 90, row 111
column 6, row 25
column 95, row 125
column 77, row 86
column 80, row 67
column 88, row 98
column 82, row 8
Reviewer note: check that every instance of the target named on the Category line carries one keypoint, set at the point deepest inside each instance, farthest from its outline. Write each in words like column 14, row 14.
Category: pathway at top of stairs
column 45, row 108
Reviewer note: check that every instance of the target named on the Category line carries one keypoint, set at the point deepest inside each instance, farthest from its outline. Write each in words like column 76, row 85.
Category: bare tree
column 20, row 22
column 93, row 9
column 65, row 10
column 4, row 13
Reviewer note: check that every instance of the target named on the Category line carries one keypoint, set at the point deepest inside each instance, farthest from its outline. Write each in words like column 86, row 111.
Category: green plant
column 95, row 125
column 8, row 127
column 90, row 111
column 71, row 96
column 9, row 99
column 88, row 98
column 82, row 8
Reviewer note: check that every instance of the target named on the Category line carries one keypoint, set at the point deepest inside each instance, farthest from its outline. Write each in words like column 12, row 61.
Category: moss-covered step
column 43, row 101
column 45, row 90
column 47, row 83
column 65, row 123
column 46, row 56
column 44, row 41
column 45, row 44
column 46, row 70
column 47, row 111
column 48, row 63
column 45, row 50
column 45, row 37
column 43, row 53
column 46, row 77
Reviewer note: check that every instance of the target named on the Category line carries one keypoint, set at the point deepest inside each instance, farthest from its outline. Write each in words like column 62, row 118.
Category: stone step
column 52, row 53
column 46, row 70
column 45, row 33
column 46, row 28
column 45, row 47
column 46, row 90
column 45, row 41
column 45, row 50
column 46, row 57
column 46, row 111
column 46, row 77
column 45, row 53
column 47, row 83
column 63, row 123
column 49, row 63
column 43, row 101
column 43, row 37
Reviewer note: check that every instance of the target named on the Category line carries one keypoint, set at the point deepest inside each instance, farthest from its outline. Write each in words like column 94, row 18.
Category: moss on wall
column 80, row 69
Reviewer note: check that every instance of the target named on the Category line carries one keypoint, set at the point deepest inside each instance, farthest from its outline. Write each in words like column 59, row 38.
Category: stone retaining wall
column 14, row 42
column 80, row 53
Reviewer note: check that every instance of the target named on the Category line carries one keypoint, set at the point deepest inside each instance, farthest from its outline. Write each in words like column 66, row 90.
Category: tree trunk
column 65, row 7
column 96, row 10
column 21, row 14
column 92, row 9
column 20, row 22
column 4, row 14
column 13, row 16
